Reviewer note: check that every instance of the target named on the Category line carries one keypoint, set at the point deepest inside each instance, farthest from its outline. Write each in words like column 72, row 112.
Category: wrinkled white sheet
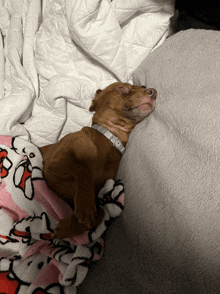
column 54, row 55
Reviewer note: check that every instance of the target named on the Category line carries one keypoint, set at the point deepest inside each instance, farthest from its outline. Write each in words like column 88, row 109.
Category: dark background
column 198, row 14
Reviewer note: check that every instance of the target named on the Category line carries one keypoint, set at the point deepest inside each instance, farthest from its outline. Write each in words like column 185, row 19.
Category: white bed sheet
column 55, row 54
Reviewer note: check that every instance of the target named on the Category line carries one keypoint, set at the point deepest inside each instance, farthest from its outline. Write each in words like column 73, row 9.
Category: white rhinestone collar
column 115, row 140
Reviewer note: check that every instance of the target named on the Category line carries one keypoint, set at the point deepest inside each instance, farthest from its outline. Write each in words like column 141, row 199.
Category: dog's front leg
column 84, row 200
column 85, row 213
column 70, row 226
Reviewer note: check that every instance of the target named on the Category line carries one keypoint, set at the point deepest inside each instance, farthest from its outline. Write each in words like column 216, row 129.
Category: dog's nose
column 151, row 92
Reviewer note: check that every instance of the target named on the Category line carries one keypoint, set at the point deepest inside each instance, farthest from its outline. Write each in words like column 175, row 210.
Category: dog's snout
column 151, row 92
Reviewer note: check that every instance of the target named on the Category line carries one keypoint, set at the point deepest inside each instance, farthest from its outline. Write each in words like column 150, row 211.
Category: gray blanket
column 168, row 238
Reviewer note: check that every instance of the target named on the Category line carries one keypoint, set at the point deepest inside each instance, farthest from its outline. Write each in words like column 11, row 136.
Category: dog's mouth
column 144, row 105
column 141, row 110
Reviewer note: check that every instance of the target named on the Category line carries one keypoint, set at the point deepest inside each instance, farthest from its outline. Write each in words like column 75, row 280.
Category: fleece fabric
column 31, row 260
column 169, row 234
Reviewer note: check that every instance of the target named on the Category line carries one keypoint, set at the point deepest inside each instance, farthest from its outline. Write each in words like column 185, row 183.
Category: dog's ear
column 123, row 90
column 94, row 101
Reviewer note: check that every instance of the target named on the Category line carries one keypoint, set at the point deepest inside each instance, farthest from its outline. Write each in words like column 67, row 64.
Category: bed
column 168, row 235
column 54, row 55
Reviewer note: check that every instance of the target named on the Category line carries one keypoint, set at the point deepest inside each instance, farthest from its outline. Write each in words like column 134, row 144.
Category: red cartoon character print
column 5, row 164
column 16, row 276
column 31, row 228
column 24, row 176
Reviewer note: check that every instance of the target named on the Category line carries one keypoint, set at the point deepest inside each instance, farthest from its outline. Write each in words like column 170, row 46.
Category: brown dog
column 78, row 166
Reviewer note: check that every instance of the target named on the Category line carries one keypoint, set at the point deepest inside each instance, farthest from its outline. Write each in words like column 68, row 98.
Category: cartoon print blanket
column 30, row 260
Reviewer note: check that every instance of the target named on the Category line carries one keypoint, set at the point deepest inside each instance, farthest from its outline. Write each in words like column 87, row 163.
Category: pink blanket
column 30, row 261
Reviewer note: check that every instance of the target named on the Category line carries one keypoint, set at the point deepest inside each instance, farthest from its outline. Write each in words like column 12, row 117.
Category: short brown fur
column 78, row 166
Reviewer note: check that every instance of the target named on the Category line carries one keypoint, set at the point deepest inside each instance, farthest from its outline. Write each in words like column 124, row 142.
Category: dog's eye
column 123, row 90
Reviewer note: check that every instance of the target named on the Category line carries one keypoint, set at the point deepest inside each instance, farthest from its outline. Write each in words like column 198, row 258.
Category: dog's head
column 124, row 101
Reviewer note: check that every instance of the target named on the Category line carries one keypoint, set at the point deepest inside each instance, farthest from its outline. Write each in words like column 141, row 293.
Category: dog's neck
column 118, row 127
column 112, row 138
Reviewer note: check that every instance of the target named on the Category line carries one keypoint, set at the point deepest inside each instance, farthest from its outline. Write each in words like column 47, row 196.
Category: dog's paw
column 86, row 218
column 86, row 214
column 68, row 228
